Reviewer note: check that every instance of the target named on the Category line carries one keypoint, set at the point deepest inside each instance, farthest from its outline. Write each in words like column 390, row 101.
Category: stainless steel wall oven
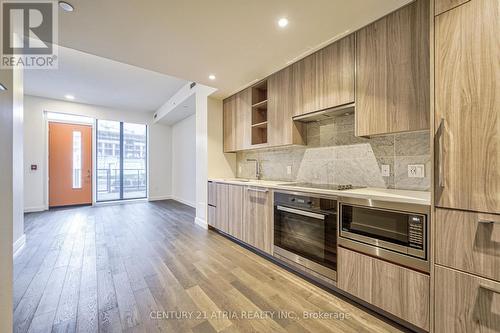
column 305, row 231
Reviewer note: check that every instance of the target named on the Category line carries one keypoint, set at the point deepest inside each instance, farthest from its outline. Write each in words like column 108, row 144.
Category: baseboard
column 200, row 222
column 35, row 209
column 191, row 204
column 160, row 197
column 19, row 245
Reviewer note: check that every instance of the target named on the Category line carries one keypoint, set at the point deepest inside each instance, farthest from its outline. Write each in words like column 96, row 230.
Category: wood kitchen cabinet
column 393, row 72
column 324, row 79
column 467, row 107
column 465, row 303
column 282, row 130
column 258, row 219
column 440, row 6
column 393, row 288
column 221, row 220
column 235, row 207
column 237, row 112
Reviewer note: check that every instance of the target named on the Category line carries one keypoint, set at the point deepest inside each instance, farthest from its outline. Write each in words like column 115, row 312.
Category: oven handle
column 301, row 212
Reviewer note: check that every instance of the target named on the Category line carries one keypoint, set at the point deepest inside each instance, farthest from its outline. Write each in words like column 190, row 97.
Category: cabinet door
column 324, row 79
column 467, row 107
column 258, row 221
column 235, row 205
column 282, row 130
column 229, row 124
column 468, row 241
column 212, row 220
column 221, row 209
column 212, row 193
column 243, row 121
column 395, row 289
column 392, row 72
column 465, row 303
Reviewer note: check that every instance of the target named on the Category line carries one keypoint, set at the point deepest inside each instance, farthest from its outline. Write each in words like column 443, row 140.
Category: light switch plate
column 386, row 170
column 416, row 170
column 288, row 169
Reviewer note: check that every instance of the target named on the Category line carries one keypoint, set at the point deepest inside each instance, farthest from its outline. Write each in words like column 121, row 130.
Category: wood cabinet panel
column 467, row 104
column 468, row 241
column 229, row 124
column 235, row 210
column 324, row 79
column 465, row 303
column 395, row 289
column 212, row 220
column 441, row 6
column 237, row 112
column 258, row 220
column 212, row 194
column 393, row 72
column 282, row 130
column 221, row 209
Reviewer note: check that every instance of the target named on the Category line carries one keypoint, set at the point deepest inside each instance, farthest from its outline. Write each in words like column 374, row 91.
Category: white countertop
column 404, row 196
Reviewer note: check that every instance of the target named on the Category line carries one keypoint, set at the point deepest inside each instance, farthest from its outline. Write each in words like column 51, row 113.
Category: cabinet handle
column 441, row 154
column 488, row 222
column 257, row 190
column 489, row 288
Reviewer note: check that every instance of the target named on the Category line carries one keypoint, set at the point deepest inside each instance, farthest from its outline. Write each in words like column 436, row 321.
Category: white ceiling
column 237, row 40
column 99, row 81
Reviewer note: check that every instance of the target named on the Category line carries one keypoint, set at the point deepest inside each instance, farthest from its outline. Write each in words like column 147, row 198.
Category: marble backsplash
column 334, row 155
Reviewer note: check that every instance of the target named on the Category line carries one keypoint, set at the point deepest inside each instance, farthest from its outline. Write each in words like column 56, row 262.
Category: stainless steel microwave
column 397, row 232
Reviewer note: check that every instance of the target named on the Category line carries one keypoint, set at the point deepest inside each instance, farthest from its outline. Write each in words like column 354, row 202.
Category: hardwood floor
column 126, row 268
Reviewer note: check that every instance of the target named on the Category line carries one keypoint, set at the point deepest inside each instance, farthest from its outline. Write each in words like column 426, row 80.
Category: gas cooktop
column 335, row 187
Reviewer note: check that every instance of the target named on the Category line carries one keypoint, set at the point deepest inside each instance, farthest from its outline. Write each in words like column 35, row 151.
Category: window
column 121, row 161
column 77, row 159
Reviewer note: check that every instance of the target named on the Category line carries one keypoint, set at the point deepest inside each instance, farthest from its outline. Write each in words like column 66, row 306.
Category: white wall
column 17, row 172
column 35, row 149
column 220, row 165
column 184, row 161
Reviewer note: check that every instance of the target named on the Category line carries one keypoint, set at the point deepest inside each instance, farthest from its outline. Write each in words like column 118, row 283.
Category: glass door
column 121, row 160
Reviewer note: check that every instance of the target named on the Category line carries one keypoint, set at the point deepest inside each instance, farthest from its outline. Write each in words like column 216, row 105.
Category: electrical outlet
column 416, row 170
column 288, row 169
column 386, row 170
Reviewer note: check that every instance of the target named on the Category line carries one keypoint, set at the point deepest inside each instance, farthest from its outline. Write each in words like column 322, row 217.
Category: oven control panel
column 416, row 231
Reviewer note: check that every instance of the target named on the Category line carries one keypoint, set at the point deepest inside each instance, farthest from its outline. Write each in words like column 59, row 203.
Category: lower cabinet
column 258, row 220
column 465, row 303
column 399, row 291
column 244, row 212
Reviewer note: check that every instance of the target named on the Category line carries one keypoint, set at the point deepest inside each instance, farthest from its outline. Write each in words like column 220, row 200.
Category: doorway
column 70, row 164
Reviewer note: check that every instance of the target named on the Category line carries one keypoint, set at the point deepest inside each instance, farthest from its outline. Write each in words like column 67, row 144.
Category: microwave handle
column 301, row 212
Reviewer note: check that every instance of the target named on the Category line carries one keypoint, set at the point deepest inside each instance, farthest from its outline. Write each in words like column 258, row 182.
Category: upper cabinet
column 392, row 72
column 282, row 130
column 237, row 113
column 324, row 79
column 467, row 107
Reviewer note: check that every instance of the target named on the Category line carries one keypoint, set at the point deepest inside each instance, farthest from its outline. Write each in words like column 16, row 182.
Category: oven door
column 307, row 237
column 388, row 229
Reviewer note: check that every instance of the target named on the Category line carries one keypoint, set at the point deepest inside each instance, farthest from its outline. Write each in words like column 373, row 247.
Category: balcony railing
column 108, row 182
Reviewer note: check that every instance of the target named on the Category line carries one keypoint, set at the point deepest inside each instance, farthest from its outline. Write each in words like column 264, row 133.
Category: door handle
column 257, row 190
column 441, row 130
column 490, row 288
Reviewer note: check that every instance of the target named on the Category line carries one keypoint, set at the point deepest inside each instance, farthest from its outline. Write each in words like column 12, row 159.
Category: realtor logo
column 29, row 34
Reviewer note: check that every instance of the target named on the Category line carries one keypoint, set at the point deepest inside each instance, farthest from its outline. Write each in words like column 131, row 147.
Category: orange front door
column 70, row 164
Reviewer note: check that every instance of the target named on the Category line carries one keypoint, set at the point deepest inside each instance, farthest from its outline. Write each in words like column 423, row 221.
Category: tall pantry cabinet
column 467, row 166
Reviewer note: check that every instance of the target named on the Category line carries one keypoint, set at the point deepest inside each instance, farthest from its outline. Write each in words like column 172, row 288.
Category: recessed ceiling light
column 2, row 87
column 70, row 97
column 211, row 77
column 66, row 6
column 283, row 22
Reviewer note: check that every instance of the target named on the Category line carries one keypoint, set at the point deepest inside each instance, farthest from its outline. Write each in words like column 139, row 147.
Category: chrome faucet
column 257, row 167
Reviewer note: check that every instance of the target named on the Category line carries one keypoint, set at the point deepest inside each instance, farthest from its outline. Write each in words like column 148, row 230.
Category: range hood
column 325, row 114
